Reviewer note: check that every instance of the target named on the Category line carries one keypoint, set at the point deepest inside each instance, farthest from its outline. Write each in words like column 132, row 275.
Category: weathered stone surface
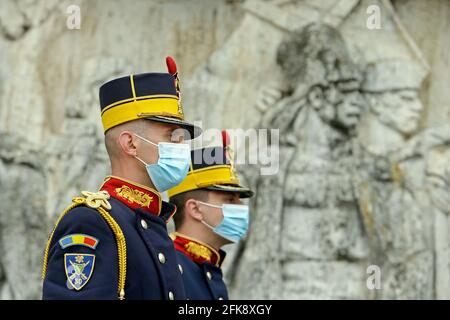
column 23, row 219
column 334, row 280
column 363, row 118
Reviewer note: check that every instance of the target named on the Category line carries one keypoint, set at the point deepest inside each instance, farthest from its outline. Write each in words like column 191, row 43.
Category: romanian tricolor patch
column 78, row 240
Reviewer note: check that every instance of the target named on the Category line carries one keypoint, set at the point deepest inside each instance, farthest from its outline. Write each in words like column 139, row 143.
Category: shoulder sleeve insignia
column 79, row 268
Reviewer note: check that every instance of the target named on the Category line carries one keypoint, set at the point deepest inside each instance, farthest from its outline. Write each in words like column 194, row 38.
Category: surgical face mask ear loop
column 211, row 205
column 146, row 140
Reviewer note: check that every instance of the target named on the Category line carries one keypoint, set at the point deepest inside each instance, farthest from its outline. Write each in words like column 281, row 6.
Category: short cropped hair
column 180, row 200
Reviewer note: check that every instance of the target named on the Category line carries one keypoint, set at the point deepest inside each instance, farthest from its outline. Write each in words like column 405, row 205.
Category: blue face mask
column 172, row 166
column 235, row 221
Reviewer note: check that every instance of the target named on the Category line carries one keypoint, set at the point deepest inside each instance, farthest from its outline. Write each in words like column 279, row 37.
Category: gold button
column 171, row 296
column 180, row 268
column 209, row 275
column 161, row 258
column 144, row 224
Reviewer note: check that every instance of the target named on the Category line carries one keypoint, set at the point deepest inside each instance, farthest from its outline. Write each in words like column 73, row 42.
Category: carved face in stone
column 393, row 89
column 322, row 100
column 316, row 63
column 400, row 109
column 349, row 109
column 340, row 104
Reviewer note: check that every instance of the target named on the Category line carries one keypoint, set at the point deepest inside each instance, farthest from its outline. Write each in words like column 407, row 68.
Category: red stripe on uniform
column 90, row 242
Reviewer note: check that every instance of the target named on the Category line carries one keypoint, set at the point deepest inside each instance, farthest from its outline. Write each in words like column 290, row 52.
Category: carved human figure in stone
column 333, row 106
column 392, row 89
column 309, row 204
column 391, row 195
column 317, row 66
column 424, row 166
column 349, row 110
column 417, row 202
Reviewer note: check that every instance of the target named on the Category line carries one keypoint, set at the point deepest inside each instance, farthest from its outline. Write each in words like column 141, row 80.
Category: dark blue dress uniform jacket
column 152, row 268
column 200, row 266
column 202, row 281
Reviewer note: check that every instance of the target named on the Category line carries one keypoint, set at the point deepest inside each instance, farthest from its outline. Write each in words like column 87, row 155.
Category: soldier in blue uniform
column 113, row 243
column 210, row 215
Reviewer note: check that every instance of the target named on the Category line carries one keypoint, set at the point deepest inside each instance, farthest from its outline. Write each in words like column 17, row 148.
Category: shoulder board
column 99, row 202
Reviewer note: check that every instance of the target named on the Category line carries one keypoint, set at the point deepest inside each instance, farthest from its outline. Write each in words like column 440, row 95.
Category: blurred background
column 358, row 91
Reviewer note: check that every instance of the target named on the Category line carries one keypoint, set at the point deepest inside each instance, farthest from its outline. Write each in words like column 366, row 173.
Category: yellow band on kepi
column 205, row 177
column 134, row 110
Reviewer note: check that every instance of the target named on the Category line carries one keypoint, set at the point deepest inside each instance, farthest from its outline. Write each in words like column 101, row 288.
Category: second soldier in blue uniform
column 210, row 215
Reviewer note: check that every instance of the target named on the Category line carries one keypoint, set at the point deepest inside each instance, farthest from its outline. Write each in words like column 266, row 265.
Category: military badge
column 79, row 268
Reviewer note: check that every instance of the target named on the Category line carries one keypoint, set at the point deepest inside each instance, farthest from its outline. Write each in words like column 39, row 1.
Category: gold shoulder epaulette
column 99, row 202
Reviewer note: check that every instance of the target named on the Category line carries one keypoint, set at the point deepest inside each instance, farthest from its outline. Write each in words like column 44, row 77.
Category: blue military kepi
column 212, row 168
column 153, row 96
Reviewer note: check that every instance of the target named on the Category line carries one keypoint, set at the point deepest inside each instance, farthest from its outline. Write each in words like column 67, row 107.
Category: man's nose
column 416, row 105
column 358, row 100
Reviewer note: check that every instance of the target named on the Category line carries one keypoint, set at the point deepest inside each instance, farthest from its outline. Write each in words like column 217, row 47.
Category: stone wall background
column 373, row 193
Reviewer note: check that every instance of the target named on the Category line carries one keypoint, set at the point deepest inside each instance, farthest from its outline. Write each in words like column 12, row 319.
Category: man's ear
column 192, row 209
column 127, row 143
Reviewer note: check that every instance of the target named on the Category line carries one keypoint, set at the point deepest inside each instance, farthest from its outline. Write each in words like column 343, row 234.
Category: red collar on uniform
column 196, row 250
column 133, row 195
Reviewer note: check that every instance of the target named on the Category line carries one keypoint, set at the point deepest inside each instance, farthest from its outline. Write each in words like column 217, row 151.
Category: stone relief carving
column 84, row 156
column 356, row 178
column 23, row 222
column 18, row 17
column 317, row 114
column 421, row 171
column 393, row 200
column 360, row 181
